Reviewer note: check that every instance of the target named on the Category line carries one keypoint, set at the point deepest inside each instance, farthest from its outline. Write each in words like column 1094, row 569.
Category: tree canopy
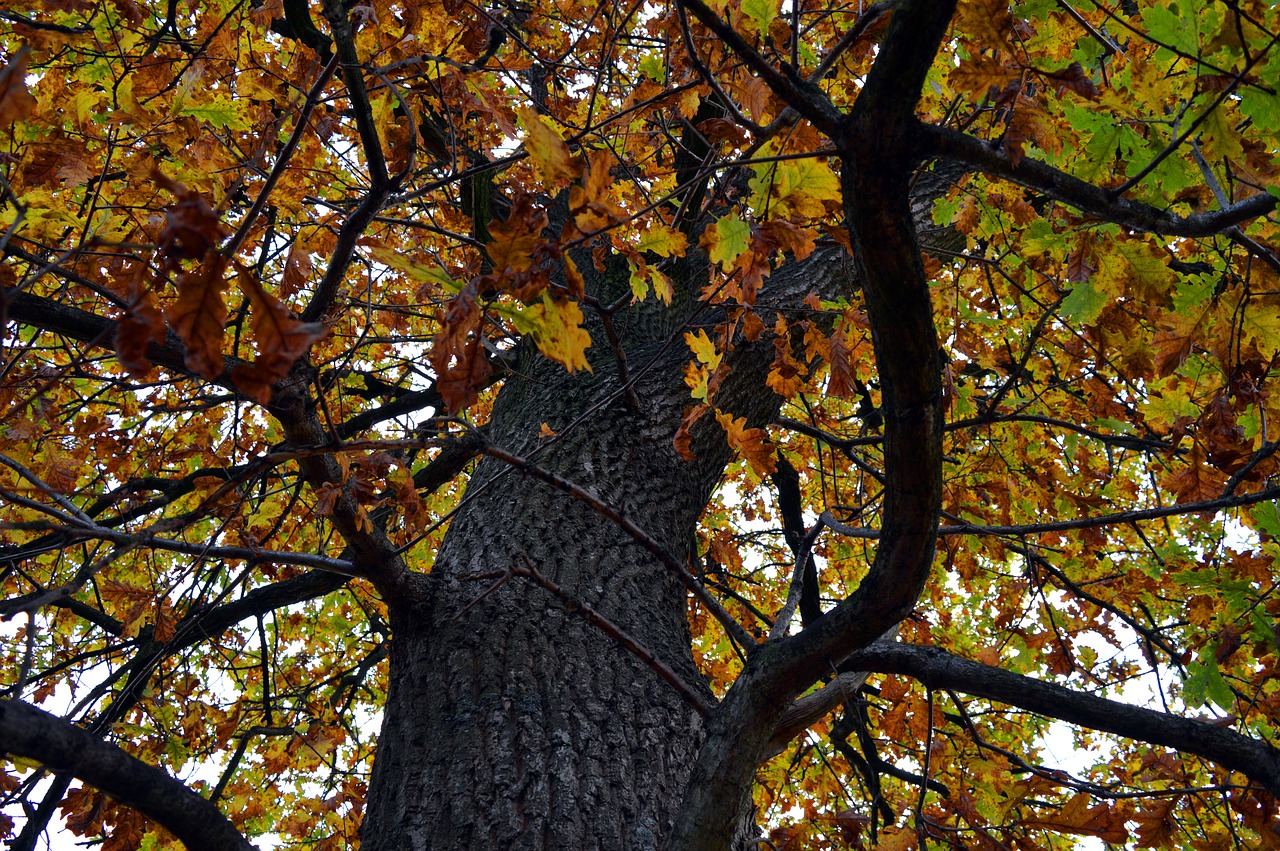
column 951, row 324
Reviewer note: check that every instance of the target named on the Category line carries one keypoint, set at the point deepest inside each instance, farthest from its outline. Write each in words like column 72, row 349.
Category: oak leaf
column 16, row 103
column 1077, row 817
column 752, row 443
column 281, row 339
column 140, row 326
column 199, row 315
column 551, row 157
column 192, row 228
column 457, row 354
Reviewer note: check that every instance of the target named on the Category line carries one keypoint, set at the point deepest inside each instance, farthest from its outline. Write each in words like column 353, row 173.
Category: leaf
column 703, row 348
column 281, row 339
column 556, row 328
column 1198, row 482
column 220, row 111
column 842, row 381
column 663, row 241
column 550, row 155
column 1077, row 817
column 979, row 75
column 140, row 326
column 192, row 229
column 1084, row 304
column 753, row 444
column 760, row 13
column 726, row 240
column 515, row 238
column 457, row 354
column 1156, row 825
column 1206, row 683
column 199, row 315
column 16, row 103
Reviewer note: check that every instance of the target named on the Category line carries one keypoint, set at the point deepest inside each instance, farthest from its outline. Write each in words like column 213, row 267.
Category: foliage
column 220, row 216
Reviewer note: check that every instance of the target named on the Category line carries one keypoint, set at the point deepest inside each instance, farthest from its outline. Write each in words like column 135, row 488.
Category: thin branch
column 735, row 630
column 803, row 96
column 584, row 610
column 1120, row 517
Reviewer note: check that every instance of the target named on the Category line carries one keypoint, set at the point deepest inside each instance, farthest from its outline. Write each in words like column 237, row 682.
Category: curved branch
column 877, row 146
column 31, row 733
column 938, row 669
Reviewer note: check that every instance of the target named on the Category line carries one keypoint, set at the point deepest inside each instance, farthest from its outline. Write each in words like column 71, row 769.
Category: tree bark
column 511, row 723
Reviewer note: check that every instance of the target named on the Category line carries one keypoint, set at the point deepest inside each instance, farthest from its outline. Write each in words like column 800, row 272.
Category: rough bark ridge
column 512, row 723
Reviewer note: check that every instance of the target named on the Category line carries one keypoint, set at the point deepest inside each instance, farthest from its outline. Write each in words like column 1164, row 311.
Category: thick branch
column 954, row 145
column 878, row 151
column 938, row 669
column 34, row 734
column 802, row 96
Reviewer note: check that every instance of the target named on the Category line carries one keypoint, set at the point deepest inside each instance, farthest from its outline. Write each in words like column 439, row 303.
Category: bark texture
column 512, row 723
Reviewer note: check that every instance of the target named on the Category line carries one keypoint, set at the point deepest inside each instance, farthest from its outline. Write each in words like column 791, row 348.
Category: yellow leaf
column 663, row 241
column 557, row 330
column 703, row 348
column 547, row 149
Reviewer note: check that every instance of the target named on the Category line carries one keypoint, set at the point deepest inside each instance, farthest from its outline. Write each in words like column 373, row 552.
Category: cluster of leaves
column 1098, row 377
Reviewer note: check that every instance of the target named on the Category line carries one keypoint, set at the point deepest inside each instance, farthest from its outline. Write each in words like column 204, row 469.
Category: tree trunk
column 512, row 723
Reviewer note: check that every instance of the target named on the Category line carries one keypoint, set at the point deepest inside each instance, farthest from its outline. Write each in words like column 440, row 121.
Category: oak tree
column 679, row 424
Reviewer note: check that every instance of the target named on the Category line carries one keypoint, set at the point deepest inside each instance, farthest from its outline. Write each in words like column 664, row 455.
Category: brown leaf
column 199, row 315
column 1156, row 824
column 1080, row 262
column 457, row 354
column 1073, row 78
column 841, row 381
column 1077, row 817
column 684, row 434
column 191, row 228
column 1198, row 482
column 281, row 339
column 140, row 326
column 16, row 103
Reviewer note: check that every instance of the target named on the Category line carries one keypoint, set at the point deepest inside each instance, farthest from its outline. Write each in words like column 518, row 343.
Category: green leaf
column 1084, row 304
column 653, row 67
column 762, row 12
column 727, row 239
column 1267, row 516
column 220, row 112
column 416, row 271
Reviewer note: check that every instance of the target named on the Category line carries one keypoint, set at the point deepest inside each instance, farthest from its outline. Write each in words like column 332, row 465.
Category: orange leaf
column 514, row 239
column 753, row 444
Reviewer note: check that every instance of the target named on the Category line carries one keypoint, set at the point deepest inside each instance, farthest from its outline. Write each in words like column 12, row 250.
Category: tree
column 843, row 394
